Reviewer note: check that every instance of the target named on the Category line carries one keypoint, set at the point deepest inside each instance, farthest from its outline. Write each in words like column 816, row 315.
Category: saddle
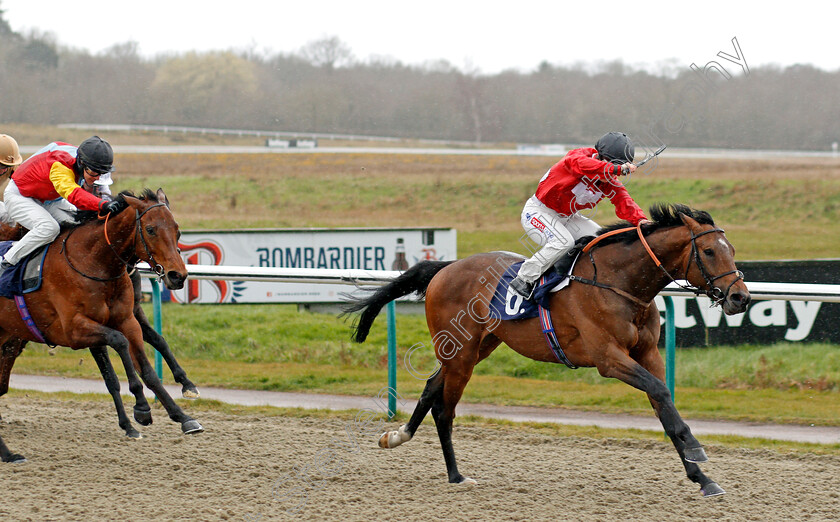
column 564, row 265
column 509, row 306
column 24, row 277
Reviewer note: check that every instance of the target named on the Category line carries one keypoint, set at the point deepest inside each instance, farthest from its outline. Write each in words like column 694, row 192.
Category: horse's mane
column 84, row 216
column 663, row 215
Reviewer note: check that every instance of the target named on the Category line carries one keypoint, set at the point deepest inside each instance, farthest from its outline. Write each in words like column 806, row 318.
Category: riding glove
column 113, row 207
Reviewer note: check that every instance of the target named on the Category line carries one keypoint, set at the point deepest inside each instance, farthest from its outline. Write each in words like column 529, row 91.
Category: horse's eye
column 709, row 252
column 150, row 230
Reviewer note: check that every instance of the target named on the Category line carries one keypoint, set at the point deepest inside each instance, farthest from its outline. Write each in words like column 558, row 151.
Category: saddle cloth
column 25, row 276
column 512, row 306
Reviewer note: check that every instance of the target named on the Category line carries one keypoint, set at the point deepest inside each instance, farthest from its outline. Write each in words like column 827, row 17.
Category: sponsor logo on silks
column 202, row 253
column 539, row 225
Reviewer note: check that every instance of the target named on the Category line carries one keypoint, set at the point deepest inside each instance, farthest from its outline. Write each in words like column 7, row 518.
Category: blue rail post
column 670, row 345
column 392, row 360
column 158, row 318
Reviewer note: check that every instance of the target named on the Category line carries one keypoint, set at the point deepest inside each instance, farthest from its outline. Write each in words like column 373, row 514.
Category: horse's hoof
column 711, row 490
column 695, row 455
column 465, row 481
column 392, row 439
column 134, row 434
column 144, row 417
column 191, row 393
column 191, row 426
column 14, row 458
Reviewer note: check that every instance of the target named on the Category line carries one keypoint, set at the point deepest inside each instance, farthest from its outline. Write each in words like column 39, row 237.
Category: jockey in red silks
column 552, row 216
column 47, row 188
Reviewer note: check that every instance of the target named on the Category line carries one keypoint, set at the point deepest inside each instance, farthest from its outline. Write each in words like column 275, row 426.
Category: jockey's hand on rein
column 112, row 207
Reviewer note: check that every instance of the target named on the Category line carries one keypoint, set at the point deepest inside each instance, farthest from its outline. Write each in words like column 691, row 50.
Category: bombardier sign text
column 346, row 248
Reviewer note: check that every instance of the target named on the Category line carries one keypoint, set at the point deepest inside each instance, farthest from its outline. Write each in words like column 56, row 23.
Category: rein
column 715, row 294
column 594, row 281
column 139, row 232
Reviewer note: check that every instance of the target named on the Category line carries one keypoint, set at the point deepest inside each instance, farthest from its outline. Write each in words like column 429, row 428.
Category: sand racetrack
column 242, row 467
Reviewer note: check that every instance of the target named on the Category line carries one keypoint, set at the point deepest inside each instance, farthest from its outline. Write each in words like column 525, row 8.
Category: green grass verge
column 762, row 206
column 278, row 348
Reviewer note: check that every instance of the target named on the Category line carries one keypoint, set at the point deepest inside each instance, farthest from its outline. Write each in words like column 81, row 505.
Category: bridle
column 714, row 293
column 157, row 267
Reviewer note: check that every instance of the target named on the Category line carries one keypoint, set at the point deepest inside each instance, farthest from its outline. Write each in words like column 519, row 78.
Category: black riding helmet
column 97, row 155
column 616, row 147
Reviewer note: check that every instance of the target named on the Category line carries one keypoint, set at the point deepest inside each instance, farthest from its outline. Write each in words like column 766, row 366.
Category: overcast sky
column 484, row 35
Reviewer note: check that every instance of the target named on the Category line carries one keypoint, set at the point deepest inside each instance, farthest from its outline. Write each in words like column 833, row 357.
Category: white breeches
column 552, row 233
column 41, row 219
column 4, row 215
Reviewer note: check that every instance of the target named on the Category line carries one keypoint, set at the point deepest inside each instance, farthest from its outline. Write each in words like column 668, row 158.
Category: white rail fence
column 758, row 291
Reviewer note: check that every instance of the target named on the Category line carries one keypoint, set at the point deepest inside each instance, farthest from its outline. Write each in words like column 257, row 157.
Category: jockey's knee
column 48, row 230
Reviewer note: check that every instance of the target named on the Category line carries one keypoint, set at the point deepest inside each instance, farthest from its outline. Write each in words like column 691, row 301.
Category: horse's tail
column 414, row 280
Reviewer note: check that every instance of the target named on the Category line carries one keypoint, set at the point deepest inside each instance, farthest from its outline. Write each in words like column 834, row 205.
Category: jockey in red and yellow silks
column 49, row 175
column 46, row 189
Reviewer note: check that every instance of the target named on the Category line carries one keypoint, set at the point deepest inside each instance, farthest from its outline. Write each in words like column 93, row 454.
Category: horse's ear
column 162, row 197
column 690, row 222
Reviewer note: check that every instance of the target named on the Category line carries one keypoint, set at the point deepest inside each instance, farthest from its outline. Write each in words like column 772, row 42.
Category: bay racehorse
column 605, row 318
column 86, row 300
column 150, row 335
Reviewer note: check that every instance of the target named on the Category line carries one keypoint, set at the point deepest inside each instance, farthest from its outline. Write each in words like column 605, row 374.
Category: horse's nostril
column 740, row 299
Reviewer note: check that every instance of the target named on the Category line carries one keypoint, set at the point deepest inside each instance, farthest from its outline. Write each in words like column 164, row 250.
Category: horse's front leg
column 617, row 364
column 100, row 355
column 11, row 348
column 131, row 329
column 188, row 389
column 650, row 359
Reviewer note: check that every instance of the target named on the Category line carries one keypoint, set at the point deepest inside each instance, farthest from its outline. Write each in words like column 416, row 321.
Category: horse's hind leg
column 188, row 389
column 430, row 395
column 442, row 392
column 100, row 355
column 142, row 410
column 455, row 378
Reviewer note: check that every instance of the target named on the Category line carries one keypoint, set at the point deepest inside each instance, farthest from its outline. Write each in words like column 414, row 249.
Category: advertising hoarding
column 344, row 248
column 764, row 322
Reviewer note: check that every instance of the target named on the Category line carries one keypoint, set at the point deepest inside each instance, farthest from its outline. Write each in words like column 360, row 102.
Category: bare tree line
column 322, row 88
